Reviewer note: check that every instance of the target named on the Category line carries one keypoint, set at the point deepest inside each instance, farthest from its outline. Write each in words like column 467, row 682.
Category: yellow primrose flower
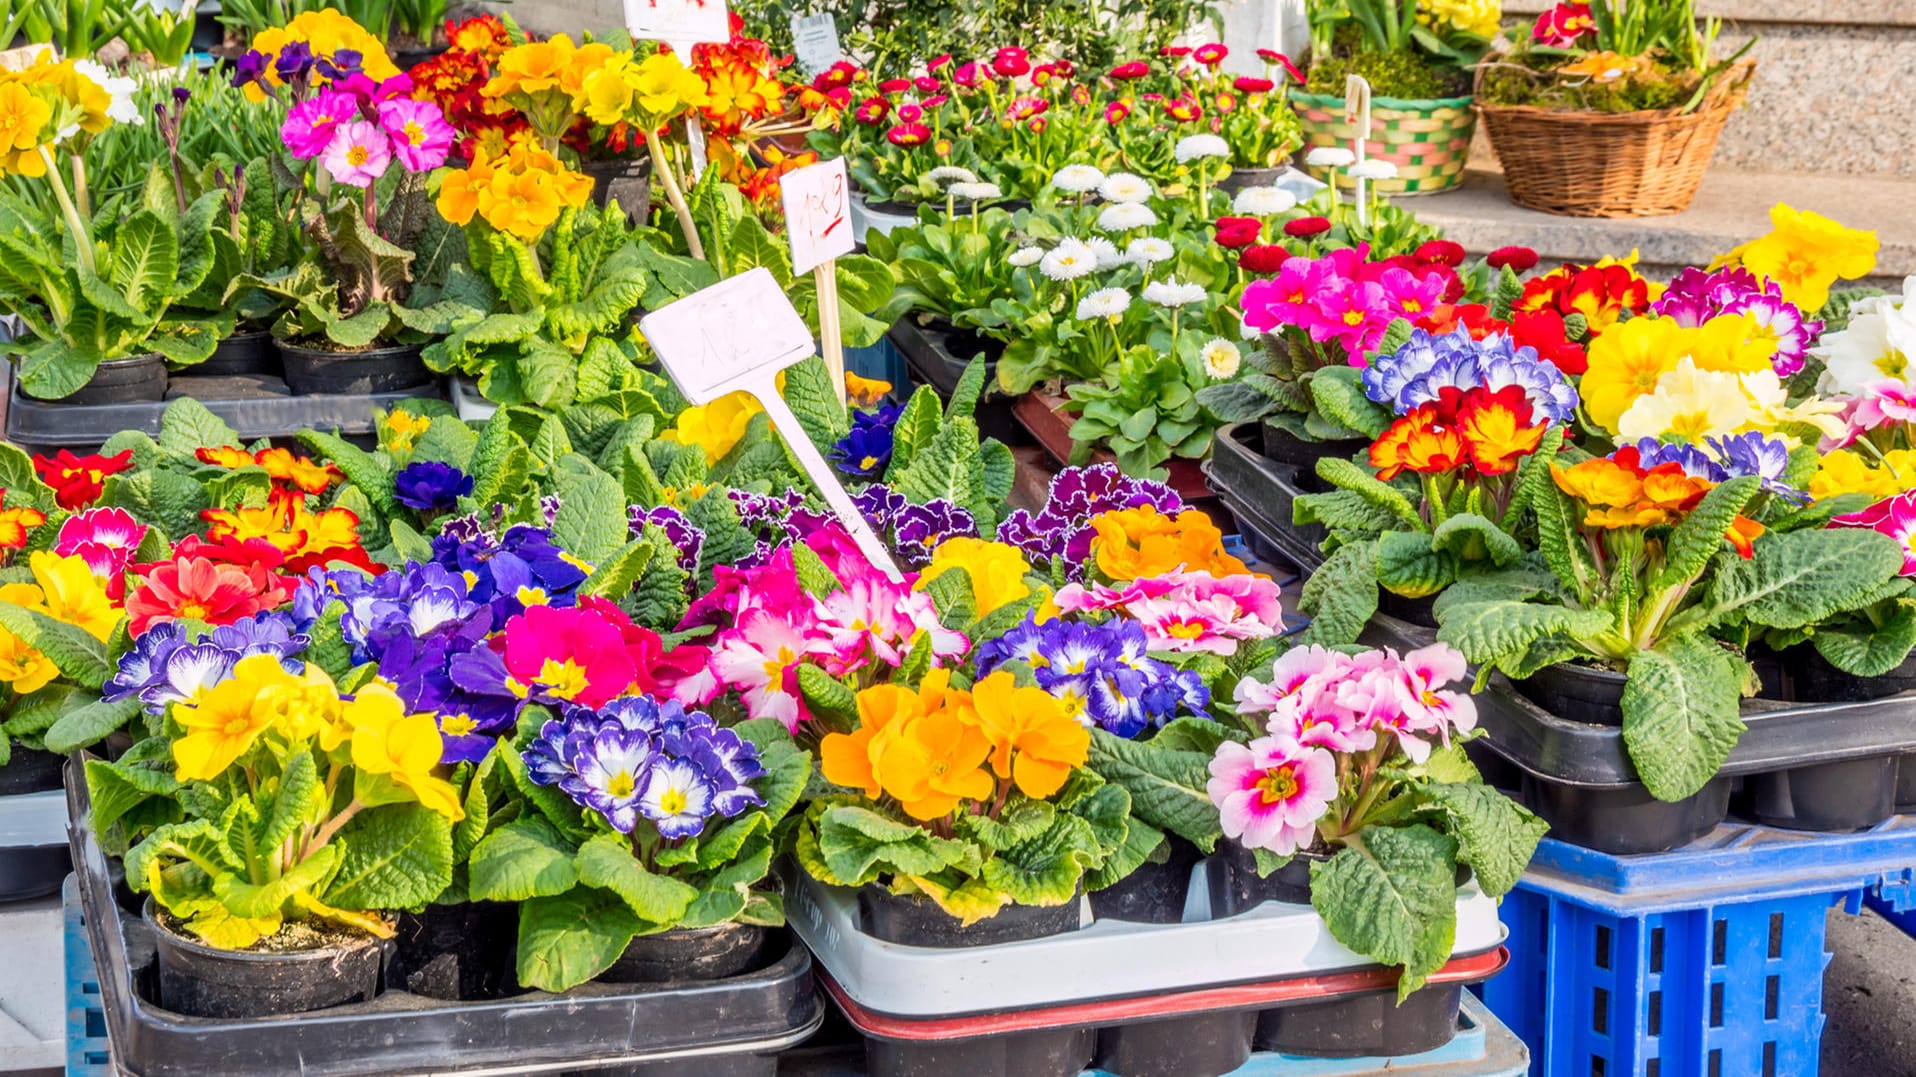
column 1626, row 362
column 70, row 592
column 716, row 427
column 1805, row 253
column 22, row 667
column 303, row 707
column 997, row 570
column 865, row 392
column 1770, row 406
column 225, row 721
column 403, row 747
column 400, row 428
column 1734, row 343
column 663, row 88
column 1689, row 404
column 1475, row 17
column 1846, row 471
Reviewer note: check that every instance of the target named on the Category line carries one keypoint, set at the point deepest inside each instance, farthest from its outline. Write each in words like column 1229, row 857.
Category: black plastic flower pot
column 626, row 179
column 1626, row 820
column 1906, row 784
column 137, row 379
column 1237, row 887
column 1290, row 450
column 1155, row 892
column 1245, row 178
column 1855, row 794
column 916, row 920
column 200, row 981
column 1042, row 1053
column 405, row 59
column 1364, row 1026
column 937, row 354
column 1198, row 1046
column 690, row 954
column 30, row 770
column 242, row 353
column 1576, row 693
column 1416, row 611
column 455, row 952
column 29, row 871
column 319, row 371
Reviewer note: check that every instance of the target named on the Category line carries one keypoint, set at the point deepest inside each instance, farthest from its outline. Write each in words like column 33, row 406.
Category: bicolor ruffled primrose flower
column 78, row 481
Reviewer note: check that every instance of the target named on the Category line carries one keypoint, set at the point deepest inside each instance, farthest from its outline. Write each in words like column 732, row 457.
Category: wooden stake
column 825, row 274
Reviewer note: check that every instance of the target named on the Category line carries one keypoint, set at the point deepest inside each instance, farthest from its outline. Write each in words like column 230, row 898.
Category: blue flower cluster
column 165, row 667
column 865, row 451
column 1100, row 672
column 1426, row 365
column 430, row 486
column 1728, row 457
column 521, row 568
column 640, row 757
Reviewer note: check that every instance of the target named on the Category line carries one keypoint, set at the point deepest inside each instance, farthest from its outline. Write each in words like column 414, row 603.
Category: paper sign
column 679, row 23
column 815, row 42
column 736, row 336
column 817, row 213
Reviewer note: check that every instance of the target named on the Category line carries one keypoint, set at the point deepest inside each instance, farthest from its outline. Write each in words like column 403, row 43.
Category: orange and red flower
column 78, row 481
column 194, row 589
column 1487, row 432
column 15, row 522
column 1603, row 294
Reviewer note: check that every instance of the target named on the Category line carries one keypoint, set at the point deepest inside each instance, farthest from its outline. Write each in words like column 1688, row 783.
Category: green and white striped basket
column 1428, row 141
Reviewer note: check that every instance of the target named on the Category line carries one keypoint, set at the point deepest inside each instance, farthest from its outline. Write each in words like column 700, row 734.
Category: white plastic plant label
column 679, row 23
column 817, row 213
column 735, row 336
column 815, row 42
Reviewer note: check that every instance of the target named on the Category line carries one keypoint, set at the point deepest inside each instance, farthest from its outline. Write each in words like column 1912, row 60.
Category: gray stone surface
column 1869, row 997
column 1836, row 12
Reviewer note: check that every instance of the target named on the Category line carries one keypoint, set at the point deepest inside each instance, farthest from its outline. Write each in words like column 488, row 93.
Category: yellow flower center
column 1353, row 317
column 457, row 725
column 415, row 134
column 193, row 610
column 1893, row 363
column 236, row 726
column 357, row 156
column 1185, row 630
column 775, row 668
column 672, row 803
column 868, row 463
column 1278, row 785
column 622, row 784
column 563, row 679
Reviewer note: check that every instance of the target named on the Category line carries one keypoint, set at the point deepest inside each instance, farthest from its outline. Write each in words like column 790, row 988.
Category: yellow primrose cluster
column 66, row 590
column 48, row 103
column 326, row 32
column 1847, row 471
column 1806, row 253
column 521, row 192
column 1652, row 377
column 997, row 572
column 716, row 427
column 551, row 81
column 1478, row 18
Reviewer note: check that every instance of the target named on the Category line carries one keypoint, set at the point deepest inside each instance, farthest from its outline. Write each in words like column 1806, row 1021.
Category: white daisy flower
column 1025, row 256
column 1069, row 260
column 1125, row 187
column 1373, row 169
column 1220, row 357
column 1174, row 293
column 1077, row 179
column 1263, row 202
column 1105, row 251
column 1147, row 251
column 975, row 192
column 944, row 174
column 1329, row 157
column 1104, row 303
column 1196, row 147
column 1124, row 216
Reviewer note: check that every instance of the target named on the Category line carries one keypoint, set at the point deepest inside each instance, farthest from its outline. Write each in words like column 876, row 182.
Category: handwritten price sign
column 817, row 213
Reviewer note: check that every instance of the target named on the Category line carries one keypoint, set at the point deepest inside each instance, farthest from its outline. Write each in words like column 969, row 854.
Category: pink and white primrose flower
column 1187, row 611
column 1271, row 793
column 1301, row 701
column 358, row 154
column 1429, row 709
column 1895, row 517
column 1894, row 399
column 106, row 539
column 872, row 619
column 758, row 658
column 421, row 137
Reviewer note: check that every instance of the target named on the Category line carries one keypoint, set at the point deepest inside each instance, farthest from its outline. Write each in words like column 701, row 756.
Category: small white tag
column 679, row 23
column 815, row 42
column 817, row 213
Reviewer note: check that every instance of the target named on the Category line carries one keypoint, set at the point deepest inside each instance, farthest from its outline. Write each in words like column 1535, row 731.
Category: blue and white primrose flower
column 644, row 758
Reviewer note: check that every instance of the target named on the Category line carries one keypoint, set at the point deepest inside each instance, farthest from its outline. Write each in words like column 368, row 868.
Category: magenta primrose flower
column 311, row 124
column 421, row 137
column 358, row 154
column 1893, row 516
column 106, row 539
column 1271, row 792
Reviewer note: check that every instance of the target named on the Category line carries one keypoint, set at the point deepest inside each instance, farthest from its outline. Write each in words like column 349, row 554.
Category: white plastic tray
column 33, row 1019
column 466, row 401
column 1104, row 959
column 30, row 820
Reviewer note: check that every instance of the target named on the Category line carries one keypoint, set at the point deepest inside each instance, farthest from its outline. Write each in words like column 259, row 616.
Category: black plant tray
column 929, row 356
column 726, row 1028
column 1260, row 492
column 256, row 406
column 1804, row 766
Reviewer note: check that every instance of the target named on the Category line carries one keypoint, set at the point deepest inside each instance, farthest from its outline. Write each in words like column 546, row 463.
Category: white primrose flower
column 1105, row 251
column 1329, row 157
column 121, row 108
column 946, row 174
column 1221, row 358
column 1174, row 293
column 1104, row 303
column 1147, row 251
column 1246, row 331
column 1126, row 187
column 1263, row 202
column 1879, row 343
column 1077, row 179
column 1124, row 216
column 1025, row 256
column 1069, row 260
column 1196, row 147
column 1373, row 169
column 975, row 192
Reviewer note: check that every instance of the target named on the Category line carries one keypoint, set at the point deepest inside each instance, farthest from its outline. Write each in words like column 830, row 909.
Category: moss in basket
column 1533, row 79
column 1406, row 74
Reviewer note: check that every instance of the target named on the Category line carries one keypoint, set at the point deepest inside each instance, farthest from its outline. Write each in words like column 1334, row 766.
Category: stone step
column 1731, row 207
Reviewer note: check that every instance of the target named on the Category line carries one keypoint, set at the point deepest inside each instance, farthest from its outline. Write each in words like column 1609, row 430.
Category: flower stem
column 674, row 195
column 82, row 234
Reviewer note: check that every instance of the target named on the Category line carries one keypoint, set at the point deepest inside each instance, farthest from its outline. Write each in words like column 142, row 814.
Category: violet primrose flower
column 431, row 486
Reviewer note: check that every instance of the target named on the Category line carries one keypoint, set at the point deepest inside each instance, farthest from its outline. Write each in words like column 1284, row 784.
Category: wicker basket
column 1428, row 141
column 1604, row 164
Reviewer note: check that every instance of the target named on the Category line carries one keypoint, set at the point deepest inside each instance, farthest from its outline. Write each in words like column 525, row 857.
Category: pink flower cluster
column 770, row 625
column 1187, row 611
column 357, row 127
column 1346, row 299
column 1879, row 404
column 107, row 540
column 1319, row 705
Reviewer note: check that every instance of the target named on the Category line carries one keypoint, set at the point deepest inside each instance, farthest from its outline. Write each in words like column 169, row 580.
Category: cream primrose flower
column 975, row 192
column 1147, row 251
column 1373, row 169
column 1105, row 251
column 1172, row 292
column 1879, row 342
column 1263, row 202
column 1124, row 216
column 1126, row 187
column 1110, row 303
column 1770, row 407
column 945, row 174
column 1025, row 256
column 1221, row 358
column 1329, row 157
column 122, row 108
column 1069, row 260
column 1688, row 404
column 1197, row 147
column 1077, row 179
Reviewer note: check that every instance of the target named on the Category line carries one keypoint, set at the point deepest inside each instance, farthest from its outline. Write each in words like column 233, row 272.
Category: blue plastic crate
column 881, row 361
column 1703, row 962
column 87, row 1052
